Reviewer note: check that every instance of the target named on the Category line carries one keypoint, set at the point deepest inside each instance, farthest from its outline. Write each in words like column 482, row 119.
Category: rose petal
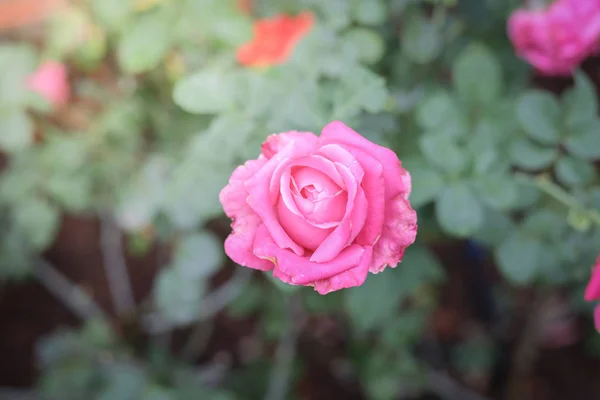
column 397, row 180
column 299, row 229
column 262, row 203
column 239, row 244
column 299, row 269
column 399, row 231
column 374, row 190
column 338, row 154
column 314, row 161
column 592, row 291
column 350, row 278
column 276, row 142
column 324, row 213
column 342, row 235
column 305, row 176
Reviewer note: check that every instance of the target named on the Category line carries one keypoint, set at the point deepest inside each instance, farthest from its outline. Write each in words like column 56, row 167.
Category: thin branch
column 116, row 268
column 212, row 304
column 281, row 373
column 76, row 299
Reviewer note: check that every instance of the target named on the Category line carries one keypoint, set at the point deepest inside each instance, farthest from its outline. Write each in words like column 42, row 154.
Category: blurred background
column 121, row 120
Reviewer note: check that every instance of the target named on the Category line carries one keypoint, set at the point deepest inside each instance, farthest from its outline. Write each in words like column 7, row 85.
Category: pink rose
column 50, row 81
column 557, row 39
column 592, row 292
column 320, row 211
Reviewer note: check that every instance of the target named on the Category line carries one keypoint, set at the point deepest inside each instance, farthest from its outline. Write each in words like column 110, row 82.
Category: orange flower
column 275, row 39
column 19, row 13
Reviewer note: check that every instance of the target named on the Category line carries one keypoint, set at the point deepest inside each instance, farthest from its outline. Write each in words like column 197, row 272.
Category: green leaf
column 531, row 156
column 359, row 89
column 539, row 115
column 574, row 171
column 38, row 221
column 145, row 43
column 544, row 224
column 421, row 40
column 16, row 63
column 369, row 13
column 198, row 256
column 178, row 298
column 442, row 151
column 580, row 103
column 528, row 195
column 113, row 14
column 208, row 91
column 16, row 130
column 368, row 44
column 458, row 211
column 519, row 258
column 583, row 142
column 375, row 302
column 420, row 266
column 495, row 228
column 123, row 382
column 441, row 113
column 426, row 185
column 142, row 200
column 477, row 75
column 499, row 191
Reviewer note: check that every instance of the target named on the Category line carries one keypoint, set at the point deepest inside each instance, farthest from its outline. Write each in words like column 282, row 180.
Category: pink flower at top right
column 557, row 39
column 592, row 292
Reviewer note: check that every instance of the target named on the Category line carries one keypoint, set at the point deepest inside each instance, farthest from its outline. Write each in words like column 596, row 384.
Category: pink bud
column 50, row 81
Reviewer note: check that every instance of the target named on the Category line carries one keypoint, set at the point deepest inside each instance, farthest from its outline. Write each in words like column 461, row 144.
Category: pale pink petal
column 50, row 81
column 337, row 153
column 341, row 236
column 399, row 231
column 261, row 201
column 305, row 176
column 324, row 213
column 299, row 229
column 316, row 162
column 277, row 142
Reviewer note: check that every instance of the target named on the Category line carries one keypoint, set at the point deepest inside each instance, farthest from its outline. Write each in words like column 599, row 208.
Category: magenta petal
column 399, row 232
column 350, row 278
column 592, row 291
column 239, row 244
column 299, row 269
column 397, row 180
